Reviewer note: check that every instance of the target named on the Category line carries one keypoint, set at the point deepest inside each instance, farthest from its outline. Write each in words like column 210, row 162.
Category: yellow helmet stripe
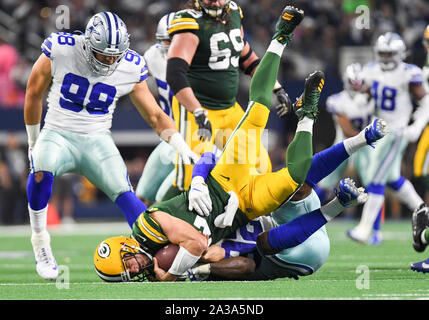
column 150, row 232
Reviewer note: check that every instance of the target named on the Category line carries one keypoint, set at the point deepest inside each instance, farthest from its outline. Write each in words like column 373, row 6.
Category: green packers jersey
column 151, row 237
column 213, row 73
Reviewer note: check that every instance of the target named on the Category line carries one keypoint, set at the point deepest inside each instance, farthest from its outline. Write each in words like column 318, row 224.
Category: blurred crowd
column 329, row 25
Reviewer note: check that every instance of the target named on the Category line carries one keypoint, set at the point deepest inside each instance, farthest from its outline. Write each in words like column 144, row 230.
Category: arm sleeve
column 204, row 165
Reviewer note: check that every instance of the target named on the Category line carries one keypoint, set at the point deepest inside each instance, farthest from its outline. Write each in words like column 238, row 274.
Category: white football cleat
column 356, row 235
column 46, row 265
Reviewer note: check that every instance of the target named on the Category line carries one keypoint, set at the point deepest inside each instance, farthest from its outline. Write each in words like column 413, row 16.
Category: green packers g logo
column 103, row 250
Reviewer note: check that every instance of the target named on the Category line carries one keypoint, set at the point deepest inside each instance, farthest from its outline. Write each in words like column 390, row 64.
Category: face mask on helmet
column 114, row 254
column 213, row 10
column 162, row 35
column 106, row 36
column 389, row 50
column 353, row 78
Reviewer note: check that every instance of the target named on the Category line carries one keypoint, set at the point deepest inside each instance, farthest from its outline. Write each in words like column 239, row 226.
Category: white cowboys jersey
column 157, row 64
column 79, row 100
column 358, row 109
column 391, row 93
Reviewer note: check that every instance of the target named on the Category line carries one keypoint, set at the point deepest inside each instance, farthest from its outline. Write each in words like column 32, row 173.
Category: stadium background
column 327, row 39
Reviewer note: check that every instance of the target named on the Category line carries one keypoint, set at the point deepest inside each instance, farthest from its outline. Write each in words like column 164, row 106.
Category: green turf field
column 353, row 271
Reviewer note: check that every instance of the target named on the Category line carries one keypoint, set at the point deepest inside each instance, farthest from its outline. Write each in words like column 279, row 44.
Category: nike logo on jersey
column 225, row 177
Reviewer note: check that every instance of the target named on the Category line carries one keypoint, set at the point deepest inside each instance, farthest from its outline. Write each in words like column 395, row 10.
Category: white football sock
column 38, row 219
column 369, row 213
column 305, row 124
column 408, row 196
column 353, row 144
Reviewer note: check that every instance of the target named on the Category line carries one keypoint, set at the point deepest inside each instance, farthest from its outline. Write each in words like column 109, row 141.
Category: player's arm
column 346, row 126
column 421, row 115
column 236, row 268
column 180, row 54
column 248, row 59
column 145, row 102
column 192, row 245
column 37, row 85
column 149, row 109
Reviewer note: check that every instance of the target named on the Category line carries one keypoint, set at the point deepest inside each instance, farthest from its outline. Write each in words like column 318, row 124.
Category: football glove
column 204, row 125
column 225, row 219
column 185, row 152
column 199, row 197
column 285, row 104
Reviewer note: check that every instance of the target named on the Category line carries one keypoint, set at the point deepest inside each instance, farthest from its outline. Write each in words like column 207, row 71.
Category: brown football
column 165, row 256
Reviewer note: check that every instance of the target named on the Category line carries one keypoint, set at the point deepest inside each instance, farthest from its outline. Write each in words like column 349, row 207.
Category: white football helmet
column 211, row 9
column 353, row 78
column 105, row 34
column 390, row 50
column 162, row 32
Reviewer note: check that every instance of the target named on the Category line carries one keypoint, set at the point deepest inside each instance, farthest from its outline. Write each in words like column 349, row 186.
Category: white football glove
column 188, row 156
column 199, row 197
column 225, row 219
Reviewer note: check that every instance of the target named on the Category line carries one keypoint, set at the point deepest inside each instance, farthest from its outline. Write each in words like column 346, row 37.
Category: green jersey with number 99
column 213, row 73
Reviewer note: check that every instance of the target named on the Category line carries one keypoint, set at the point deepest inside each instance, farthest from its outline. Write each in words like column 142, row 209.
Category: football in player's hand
column 165, row 256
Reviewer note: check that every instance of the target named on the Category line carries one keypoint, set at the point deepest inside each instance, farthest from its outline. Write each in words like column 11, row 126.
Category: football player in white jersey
column 158, row 174
column 85, row 74
column 351, row 111
column 420, row 220
column 393, row 83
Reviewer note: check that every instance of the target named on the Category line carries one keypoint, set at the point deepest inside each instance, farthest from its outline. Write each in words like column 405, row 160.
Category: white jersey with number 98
column 79, row 100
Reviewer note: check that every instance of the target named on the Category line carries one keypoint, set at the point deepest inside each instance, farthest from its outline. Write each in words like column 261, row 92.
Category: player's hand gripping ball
column 165, row 256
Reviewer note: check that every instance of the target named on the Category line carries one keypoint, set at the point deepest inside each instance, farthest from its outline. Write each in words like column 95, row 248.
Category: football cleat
column 349, row 194
column 376, row 238
column 307, row 104
column 375, row 131
column 420, row 222
column 356, row 236
column 422, row 266
column 46, row 266
column 291, row 17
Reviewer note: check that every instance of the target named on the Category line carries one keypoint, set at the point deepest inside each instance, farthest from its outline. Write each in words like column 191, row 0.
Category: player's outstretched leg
column 265, row 76
column 420, row 222
column 39, row 190
column 295, row 232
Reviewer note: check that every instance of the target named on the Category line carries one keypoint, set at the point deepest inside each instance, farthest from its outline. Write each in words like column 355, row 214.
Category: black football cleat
column 291, row 17
column 420, row 222
column 307, row 104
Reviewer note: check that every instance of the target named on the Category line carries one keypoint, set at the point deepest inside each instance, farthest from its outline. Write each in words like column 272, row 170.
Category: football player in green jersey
column 237, row 196
column 207, row 52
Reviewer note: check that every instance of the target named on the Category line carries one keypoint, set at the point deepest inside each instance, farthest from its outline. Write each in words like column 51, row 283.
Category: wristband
column 182, row 262
column 33, row 131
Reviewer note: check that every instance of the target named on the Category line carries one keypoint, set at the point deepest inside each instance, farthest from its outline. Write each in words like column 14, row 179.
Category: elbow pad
column 176, row 74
